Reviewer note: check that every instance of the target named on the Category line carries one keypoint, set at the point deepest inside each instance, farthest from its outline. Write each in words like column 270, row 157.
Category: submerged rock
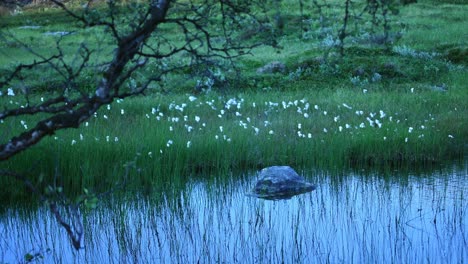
column 280, row 182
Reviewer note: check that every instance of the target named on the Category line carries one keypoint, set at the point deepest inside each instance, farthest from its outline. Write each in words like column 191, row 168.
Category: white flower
column 271, row 132
column 340, row 128
column 362, row 125
column 10, row 92
column 325, row 130
column 73, row 142
column 299, row 126
column 256, row 130
column 324, row 112
column 169, row 143
column 406, row 140
column 309, row 135
column 107, row 138
column 108, row 107
column 450, row 136
column 221, row 129
column 336, row 118
column 105, row 116
column 191, row 99
column 171, row 128
column 116, row 139
column 316, row 107
column 81, row 137
column 197, row 119
column 238, row 114
column 410, row 129
column 382, row 114
column 306, row 115
column 377, row 122
column 347, row 106
column 122, row 111
column 189, row 143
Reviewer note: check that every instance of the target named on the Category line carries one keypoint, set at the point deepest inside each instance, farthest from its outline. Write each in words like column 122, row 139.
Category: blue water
column 350, row 218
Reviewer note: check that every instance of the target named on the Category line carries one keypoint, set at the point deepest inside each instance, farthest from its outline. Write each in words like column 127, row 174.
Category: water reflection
column 349, row 218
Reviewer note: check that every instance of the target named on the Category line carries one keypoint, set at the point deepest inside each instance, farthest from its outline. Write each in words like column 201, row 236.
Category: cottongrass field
column 350, row 218
column 165, row 135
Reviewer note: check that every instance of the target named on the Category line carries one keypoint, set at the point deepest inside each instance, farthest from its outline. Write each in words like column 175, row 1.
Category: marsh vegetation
column 161, row 175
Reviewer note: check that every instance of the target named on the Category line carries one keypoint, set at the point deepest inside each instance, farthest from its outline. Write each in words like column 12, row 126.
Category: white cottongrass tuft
column 10, row 92
column 347, row 106
column 169, row 143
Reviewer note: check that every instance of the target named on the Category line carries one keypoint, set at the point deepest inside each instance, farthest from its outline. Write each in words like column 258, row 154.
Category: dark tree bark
column 132, row 52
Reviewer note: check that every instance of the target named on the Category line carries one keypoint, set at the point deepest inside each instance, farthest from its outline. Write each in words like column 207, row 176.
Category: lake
column 351, row 217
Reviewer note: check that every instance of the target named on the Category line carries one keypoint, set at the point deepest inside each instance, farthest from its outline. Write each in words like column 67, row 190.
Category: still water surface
column 350, row 218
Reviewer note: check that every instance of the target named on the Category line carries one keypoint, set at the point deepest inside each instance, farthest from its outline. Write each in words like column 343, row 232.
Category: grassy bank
column 376, row 107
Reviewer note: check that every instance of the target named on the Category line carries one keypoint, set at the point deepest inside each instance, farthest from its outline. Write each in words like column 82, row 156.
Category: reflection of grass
column 216, row 223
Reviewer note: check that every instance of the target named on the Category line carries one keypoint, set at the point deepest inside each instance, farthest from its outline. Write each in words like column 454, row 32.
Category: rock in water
column 280, row 182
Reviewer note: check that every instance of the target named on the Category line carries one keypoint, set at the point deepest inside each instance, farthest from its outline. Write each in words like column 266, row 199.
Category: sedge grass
column 171, row 136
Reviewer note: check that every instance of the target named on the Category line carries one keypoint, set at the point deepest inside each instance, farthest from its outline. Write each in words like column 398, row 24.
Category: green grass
column 419, row 126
